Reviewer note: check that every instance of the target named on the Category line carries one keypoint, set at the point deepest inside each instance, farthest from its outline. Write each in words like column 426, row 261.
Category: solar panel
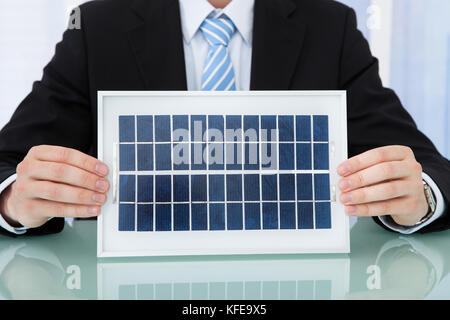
column 206, row 173
column 223, row 185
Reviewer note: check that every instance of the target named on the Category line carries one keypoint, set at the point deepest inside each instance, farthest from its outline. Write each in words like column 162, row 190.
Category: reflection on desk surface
column 241, row 279
column 382, row 265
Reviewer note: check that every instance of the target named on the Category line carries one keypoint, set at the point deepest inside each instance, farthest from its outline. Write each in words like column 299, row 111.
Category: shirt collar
column 194, row 12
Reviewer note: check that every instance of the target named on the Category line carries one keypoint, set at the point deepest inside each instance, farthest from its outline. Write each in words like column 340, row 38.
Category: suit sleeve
column 56, row 112
column 377, row 118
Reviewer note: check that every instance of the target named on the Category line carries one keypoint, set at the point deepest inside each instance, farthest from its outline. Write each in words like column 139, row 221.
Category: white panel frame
column 114, row 243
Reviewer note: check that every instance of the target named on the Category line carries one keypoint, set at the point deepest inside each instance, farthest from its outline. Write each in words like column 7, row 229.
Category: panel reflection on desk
column 297, row 279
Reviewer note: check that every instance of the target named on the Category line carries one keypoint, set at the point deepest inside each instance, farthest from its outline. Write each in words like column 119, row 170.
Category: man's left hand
column 384, row 181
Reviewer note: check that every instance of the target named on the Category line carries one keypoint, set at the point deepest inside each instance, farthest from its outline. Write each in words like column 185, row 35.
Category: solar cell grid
column 223, row 172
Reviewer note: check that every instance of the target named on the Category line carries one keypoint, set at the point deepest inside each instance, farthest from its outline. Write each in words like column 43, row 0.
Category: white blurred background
column 410, row 37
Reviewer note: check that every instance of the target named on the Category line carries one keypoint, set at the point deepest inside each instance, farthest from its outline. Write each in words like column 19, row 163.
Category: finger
column 375, row 174
column 398, row 206
column 69, row 156
column 372, row 157
column 49, row 209
column 378, row 192
column 64, row 173
column 48, row 190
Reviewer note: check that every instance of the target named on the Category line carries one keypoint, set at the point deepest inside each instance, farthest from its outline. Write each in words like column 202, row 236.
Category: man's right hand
column 54, row 182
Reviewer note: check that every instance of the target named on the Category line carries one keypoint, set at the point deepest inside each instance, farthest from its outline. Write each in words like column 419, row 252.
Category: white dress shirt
column 196, row 48
column 241, row 12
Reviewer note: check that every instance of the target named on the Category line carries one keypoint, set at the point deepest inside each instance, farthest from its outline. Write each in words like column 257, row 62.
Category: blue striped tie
column 218, row 74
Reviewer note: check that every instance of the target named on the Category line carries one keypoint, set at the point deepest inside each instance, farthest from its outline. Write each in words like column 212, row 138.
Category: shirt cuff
column 3, row 224
column 440, row 209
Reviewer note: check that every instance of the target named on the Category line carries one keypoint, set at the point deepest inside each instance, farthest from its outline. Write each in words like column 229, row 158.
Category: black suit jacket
column 138, row 45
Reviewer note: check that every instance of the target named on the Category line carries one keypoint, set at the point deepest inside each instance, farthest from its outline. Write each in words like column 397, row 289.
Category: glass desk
column 382, row 265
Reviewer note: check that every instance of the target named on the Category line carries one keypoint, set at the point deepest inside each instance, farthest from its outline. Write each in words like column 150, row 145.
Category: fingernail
column 343, row 169
column 101, row 185
column 350, row 209
column 344, row 184
column 99, row 198
column 93, row 210
column 346, row 198
column 101, row 169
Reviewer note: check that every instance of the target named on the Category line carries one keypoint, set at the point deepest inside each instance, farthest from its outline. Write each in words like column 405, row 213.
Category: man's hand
column 55, row 182
column 384, row 181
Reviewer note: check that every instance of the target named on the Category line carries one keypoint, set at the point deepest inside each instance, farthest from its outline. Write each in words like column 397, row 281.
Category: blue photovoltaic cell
column 216, row 187
column 269, row 187
column 145, row 188
column 287, row 215
column 198, row 188
column 251, row 128
column 127, row 157
column 126, row 129
column 221, row 200
column 270, row 215
column 217, row 216
column 181, row 156
column 234, row 216
column 304, row 187
column 251, row 187
column 162, row 129
column 197, row 156
column 287, row 187
column 163, row 188
column 145, row 157
column 303, row 156
column 234, row 187
column 145, row 128
column 216, row 156
column 233, row 156
column 163, row 217
column 126, row 217
column 252, row 216
column 145, row 217
column 198, row 128
column 181, row 188
column 323, row 215
column 199, row 216
column 216, row 128
column 305, row 215
column 233, row 129
column 163, row 157
column 251, row 156
column 181, row 217
column 322, row 186
column 303, row 128
column 321, row 128
column 127, row 185
column 321, row 159
column 180, row 126
column 287, row 159
column 269, row 156
column 268, row 126
column 286, row 128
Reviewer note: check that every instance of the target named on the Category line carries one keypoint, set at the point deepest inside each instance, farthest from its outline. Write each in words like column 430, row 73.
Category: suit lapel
column 277, row 40
column 157, row 43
